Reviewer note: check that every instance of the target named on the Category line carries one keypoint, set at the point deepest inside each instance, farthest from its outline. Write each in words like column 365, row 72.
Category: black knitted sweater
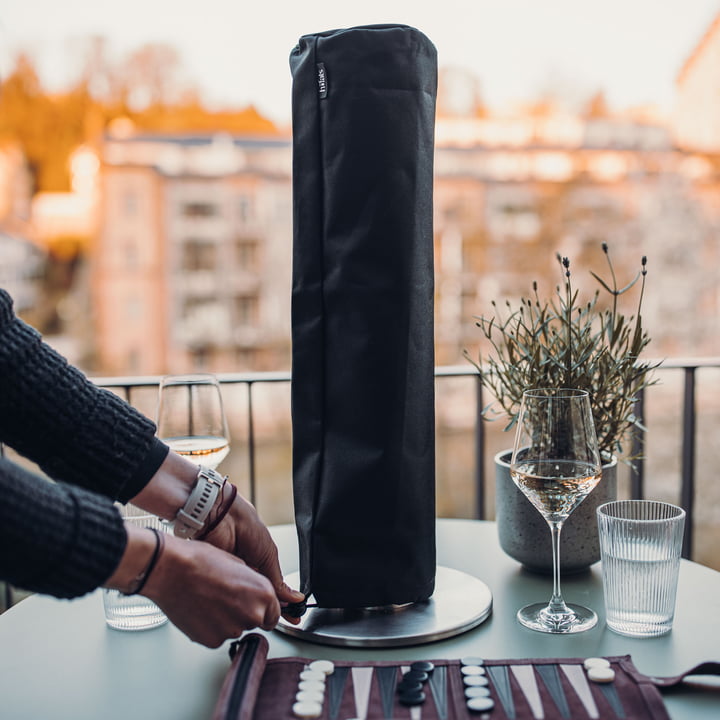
column 64, row 537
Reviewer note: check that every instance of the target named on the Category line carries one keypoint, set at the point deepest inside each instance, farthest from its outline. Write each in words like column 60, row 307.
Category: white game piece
column 472, row 670
column 476, row 681
column 307, row 709
column 309, row 696
column 601, row 674
column 472, row 660
column 596, row 662
column 313, row 675
column 323, row 666
column 480, row 704
column 313, row 685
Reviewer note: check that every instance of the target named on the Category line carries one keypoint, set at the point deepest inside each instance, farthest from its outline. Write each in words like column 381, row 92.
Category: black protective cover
column 362, row 314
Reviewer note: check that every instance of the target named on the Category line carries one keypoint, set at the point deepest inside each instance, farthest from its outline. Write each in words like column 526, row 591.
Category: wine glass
column 191, row 419
column 556, row 463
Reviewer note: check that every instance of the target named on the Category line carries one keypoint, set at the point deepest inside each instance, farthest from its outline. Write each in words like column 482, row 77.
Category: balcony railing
column 127, row 386
column 684, row 405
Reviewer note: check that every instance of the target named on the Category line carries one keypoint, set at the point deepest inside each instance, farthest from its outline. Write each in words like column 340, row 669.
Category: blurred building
column 21, row 259
column 21, row 269
column 697, row 111
column 513, row 191
column 191, row 264
column 65, row 222
column 191, row 261
column 15, row 189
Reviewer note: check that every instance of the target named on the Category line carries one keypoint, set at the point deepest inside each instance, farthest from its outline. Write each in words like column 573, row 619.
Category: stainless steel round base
column 460, row 602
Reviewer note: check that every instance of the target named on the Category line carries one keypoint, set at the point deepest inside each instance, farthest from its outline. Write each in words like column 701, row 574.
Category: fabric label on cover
column 322, row 80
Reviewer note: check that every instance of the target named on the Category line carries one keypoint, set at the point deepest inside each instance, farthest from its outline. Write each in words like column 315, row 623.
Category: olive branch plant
column 564, row 342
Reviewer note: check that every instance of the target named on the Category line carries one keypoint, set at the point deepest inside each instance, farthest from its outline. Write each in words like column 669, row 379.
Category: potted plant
column 565, row 341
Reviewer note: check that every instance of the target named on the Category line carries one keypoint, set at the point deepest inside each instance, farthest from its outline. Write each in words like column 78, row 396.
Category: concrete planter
column 525, row 535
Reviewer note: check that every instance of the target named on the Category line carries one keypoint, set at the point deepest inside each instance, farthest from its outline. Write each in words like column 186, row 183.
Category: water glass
column 640, row 546
column 134, row 612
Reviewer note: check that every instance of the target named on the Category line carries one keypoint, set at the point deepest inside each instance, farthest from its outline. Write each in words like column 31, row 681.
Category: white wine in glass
column 191, row 419
column 556, row 464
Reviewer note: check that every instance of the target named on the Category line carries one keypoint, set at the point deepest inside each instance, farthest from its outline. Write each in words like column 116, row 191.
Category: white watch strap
column 191, row 519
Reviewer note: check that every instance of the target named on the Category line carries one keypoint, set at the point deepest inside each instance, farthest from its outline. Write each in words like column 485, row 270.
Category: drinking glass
column 640, row 548
column 556, row 463
column 191, row 419
column 133, row 612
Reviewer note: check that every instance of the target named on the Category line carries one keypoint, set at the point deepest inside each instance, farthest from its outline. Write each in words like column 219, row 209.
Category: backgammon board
column 468, row 688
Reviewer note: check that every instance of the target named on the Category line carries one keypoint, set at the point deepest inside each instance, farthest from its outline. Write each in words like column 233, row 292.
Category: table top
column 58, row 659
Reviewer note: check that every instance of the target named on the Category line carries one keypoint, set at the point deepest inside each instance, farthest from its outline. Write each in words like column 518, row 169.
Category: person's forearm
column 60, row 540
column 168, row 490
column 75, row 431
column 141, row 543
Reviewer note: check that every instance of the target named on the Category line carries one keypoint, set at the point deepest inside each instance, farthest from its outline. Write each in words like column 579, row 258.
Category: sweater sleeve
column 54, row 538
column 76, row 432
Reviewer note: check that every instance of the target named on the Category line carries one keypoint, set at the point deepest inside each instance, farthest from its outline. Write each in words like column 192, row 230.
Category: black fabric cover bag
column 362, row 315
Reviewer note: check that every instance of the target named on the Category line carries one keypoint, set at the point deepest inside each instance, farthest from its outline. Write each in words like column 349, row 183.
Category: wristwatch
column 191, row 519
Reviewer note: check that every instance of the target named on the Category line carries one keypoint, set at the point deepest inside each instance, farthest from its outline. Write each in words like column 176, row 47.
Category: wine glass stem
column 557, row 604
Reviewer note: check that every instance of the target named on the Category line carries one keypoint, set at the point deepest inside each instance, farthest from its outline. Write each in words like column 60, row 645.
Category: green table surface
column 58, row 659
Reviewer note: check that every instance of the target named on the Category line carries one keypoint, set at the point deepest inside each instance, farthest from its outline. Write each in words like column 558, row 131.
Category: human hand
column 209, row 594
column 242, row 533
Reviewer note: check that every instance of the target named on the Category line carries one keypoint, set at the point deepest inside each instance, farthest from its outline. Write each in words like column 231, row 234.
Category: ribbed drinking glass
column 640, row 547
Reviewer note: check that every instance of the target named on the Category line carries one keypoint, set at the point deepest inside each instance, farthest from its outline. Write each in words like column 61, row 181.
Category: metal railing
column 126, row 386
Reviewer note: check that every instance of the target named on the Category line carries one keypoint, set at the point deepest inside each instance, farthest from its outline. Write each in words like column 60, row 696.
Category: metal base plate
column 460, row 602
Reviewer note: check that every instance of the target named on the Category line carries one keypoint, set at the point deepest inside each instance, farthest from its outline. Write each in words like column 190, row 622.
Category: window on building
column 247, row 310
column 245, row 208
column 198, row 255
column 133, row 361
column 515, row 221
column 195, row 307
column 245, row 359
column 246, row 254
column 200, row 358
column 200, row 210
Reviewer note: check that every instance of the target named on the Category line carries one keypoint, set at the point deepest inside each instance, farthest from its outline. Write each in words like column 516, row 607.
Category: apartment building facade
column 191, row 268
column 512, row 192
column 697, row 108
column 191, row 264
column 21, row 258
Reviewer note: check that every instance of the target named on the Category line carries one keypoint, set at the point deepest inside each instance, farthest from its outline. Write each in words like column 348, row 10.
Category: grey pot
column 525, row 535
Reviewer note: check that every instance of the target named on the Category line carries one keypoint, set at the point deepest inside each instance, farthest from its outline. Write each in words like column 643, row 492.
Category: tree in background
column 146, row 87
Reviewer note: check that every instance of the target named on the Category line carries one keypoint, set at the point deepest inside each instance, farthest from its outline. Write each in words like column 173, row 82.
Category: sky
column 237, row 52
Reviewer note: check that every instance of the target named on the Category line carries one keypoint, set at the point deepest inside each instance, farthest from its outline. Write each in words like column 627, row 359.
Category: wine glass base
column 538, row 617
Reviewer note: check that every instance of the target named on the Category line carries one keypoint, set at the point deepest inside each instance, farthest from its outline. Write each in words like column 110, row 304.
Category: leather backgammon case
column 258, row 688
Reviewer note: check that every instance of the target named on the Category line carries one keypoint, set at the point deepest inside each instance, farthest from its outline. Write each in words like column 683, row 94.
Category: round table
column 58, row 659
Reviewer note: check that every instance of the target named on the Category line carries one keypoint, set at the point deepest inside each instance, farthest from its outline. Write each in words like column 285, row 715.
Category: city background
column 145, row 231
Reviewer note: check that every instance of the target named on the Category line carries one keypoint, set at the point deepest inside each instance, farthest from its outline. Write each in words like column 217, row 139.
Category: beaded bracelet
column 142, row 578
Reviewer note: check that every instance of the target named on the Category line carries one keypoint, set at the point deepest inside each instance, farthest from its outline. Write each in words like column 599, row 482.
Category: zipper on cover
column 237, row 693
